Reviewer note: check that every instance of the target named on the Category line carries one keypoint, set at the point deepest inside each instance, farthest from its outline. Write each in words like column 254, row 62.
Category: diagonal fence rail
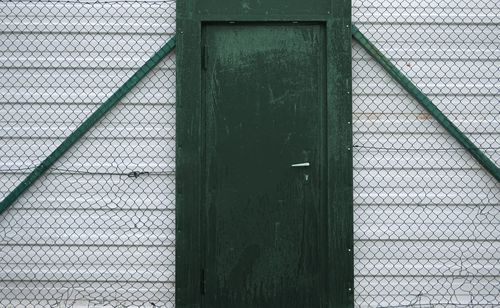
column 87, row 125
column 451, row 128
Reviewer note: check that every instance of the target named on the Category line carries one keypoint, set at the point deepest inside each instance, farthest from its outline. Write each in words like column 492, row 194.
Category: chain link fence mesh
column 97, row 230
column 426, row 216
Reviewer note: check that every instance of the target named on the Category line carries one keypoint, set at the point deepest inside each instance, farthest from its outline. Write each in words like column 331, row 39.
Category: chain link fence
column 97, row 230
column 426, row 215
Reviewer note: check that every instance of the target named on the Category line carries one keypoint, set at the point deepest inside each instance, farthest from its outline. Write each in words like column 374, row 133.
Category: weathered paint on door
column 262, row 85
column 265, row 220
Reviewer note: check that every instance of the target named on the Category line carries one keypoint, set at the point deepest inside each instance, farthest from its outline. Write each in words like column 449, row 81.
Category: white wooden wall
column 425, row 235
column 427, row 217
column 86, row 233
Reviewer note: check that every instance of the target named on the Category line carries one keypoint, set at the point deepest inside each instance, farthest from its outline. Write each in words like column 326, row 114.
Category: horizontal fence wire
column 98, row 228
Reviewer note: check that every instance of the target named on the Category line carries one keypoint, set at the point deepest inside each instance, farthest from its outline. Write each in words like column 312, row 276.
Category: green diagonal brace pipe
column 87, row 124
column 489, row 165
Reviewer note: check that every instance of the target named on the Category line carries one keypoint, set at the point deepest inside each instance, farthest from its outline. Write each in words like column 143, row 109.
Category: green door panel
column 264, row 222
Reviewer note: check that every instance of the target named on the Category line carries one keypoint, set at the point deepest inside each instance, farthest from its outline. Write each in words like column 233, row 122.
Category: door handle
column 307, row 164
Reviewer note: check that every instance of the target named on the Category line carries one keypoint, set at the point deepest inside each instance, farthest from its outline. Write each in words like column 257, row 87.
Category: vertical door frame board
column 190, row 147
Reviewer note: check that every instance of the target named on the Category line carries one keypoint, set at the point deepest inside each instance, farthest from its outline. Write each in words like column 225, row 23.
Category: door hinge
column 203, row 284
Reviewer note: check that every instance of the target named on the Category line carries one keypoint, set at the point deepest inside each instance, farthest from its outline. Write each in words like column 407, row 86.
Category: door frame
column 190, row 145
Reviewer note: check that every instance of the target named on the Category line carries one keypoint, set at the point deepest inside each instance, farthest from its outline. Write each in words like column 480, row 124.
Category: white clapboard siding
column 84, row 237
column 405, row 141
column 92, row 220
column 86, row 233
column 426, row 221
column 84, row 293
column 449, row 159
column 73, row 78
column 127, row 130
column 457, row 104
column 423, row 123
column 110, row 155
column 122, row 113
column 396, row 13
column 125, row 199
column 67, row 182
column 426, row 291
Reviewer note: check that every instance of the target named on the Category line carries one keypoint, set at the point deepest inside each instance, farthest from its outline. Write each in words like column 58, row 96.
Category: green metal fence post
column 87, row 124
column 489, row 165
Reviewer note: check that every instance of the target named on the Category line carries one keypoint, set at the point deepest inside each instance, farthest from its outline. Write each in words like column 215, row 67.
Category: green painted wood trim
column 87, row 124
column 340, row 160
column 489, row 165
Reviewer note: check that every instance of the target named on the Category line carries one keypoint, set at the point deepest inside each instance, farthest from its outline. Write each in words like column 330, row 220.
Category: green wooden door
column 264, row 223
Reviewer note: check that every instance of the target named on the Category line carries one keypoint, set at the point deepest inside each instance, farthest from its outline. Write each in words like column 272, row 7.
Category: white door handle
column 301, row 165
